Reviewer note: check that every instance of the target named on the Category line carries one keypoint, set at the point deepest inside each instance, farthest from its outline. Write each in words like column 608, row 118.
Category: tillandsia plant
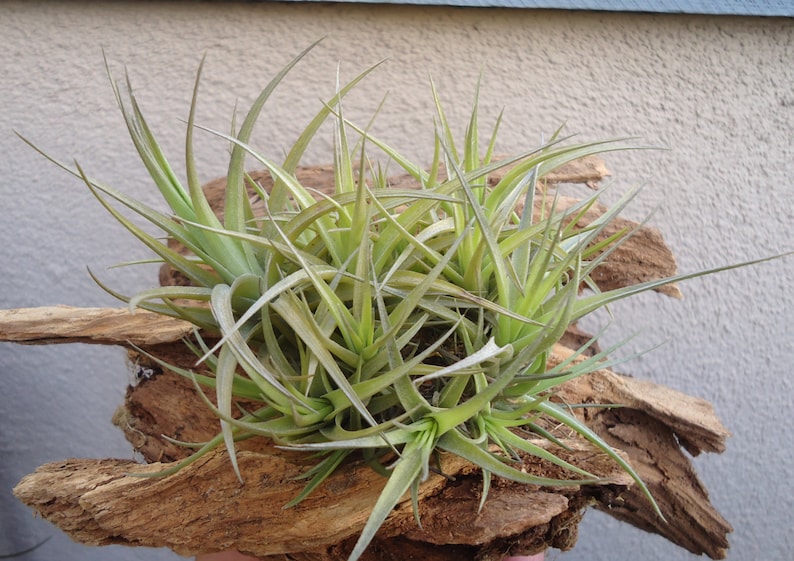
column 391, row 323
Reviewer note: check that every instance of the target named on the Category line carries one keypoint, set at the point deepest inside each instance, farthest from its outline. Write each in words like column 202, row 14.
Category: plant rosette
column 393, row 324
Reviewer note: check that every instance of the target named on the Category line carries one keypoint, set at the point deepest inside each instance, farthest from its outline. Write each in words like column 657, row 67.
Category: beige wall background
column 716, row 92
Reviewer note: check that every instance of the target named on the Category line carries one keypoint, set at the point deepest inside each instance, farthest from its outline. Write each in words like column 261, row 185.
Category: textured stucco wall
column 719, row 92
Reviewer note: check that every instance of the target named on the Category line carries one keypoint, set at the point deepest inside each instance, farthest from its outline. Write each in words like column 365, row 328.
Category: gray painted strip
column 713, row 7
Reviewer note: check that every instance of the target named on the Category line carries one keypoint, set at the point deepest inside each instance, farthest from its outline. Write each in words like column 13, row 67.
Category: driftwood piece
column 650, row 428
column 98, row 503
column 205, row 508
column 67, row 324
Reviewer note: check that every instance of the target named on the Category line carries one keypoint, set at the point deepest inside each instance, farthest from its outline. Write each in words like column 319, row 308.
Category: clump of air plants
column 383, row 322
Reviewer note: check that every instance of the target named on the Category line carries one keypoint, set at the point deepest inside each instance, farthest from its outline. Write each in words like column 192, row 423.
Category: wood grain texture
column 204, row 508
column 109, row 326
column 651, row 427
column 654, row 425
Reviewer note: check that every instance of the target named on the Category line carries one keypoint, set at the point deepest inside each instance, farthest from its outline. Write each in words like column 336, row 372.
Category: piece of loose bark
column 693, row 419
column 66, row 324
column 651, row 425
column 692, row 521
column 648, row 429
column 660, row 421
column 204, row 507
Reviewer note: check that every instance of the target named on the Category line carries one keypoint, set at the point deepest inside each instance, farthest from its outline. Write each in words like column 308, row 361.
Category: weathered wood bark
column 67, row 324
column 204, row 508
column 652, row 425
column 650, row 428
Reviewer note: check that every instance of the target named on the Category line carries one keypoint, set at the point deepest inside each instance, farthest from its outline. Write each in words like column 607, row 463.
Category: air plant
column 383, row 322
